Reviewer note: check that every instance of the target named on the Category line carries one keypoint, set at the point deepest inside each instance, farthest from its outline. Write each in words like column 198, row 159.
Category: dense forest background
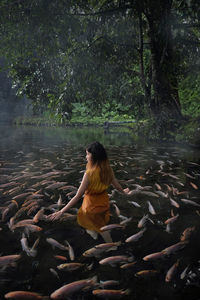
column 91, row 61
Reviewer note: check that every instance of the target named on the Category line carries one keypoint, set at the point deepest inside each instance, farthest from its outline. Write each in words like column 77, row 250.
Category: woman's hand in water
column 55, row 216
column 126, row 191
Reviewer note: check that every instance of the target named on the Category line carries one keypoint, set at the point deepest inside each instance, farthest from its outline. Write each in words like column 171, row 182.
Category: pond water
column 164, row 180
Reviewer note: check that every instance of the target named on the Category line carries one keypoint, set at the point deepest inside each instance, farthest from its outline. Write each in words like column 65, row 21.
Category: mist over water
column 28, row 153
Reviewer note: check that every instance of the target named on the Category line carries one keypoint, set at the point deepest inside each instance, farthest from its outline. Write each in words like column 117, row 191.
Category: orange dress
column 95, row 210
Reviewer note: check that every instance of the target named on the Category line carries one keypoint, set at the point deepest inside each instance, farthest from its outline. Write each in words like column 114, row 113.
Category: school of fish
column 155, row 228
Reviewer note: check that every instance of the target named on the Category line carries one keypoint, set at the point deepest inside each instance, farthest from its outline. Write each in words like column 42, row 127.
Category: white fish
column 183, row 274
column 54, row 273
column 55, row 243
column 174, row 203
column 135, row 237
column 135, row 203
column 151, row 208
column 172, row 219
column 127, row 220
column 143, row 221
column 71, row 251
column 117, row 210
column 162, row 194
column 113, row 260
column 187, row 201
column 25, row 247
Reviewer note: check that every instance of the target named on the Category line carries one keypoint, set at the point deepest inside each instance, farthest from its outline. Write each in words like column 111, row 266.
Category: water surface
column 27, row 154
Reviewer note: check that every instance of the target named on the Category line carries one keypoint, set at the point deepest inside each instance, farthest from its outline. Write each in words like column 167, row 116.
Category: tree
column 62, row 52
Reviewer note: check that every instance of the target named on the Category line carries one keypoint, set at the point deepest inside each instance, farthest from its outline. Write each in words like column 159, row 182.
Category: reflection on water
column 163, row 176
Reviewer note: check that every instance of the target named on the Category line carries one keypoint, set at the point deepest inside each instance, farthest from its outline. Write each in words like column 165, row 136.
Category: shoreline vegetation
column 187, row 131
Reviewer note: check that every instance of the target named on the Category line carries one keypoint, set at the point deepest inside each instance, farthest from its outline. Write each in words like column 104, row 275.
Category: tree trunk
column 165, row 103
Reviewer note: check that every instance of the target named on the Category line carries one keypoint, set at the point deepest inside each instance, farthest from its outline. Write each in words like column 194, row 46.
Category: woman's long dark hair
column 100, row 159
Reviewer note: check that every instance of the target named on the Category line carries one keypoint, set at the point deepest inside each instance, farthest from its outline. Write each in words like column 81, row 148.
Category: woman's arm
column 117, row 185
column 81, row 190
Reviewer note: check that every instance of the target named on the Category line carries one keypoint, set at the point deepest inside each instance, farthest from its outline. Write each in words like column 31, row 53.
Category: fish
column 107, row 283
column 23, row 295
column 25, row 247
column 108, row 293
column 126, row 221
column 135, row 237
column 39, row 216
column 151, row 208
column 54, row 273
column 55, row 185
column 150, row 194
column 171, row 271
column 113, row 260
column 70, row 288
column 28, row 227
column 173, row 248
column 60, row 257
column 158, row 186
column 8, row 259
column 112, row 226
column 186, row 234
column 194, row 185
column 55, row 244
column 184, row 273
column 128, row 265
column 117, row 210
column 98, row 249
column 71, row 251
column 187, row 201
column 172, row 219
column 70, row 266
column 153, row 256
column 162, row 194
column 146, row 273
column 143, row 221
column 174, row 203
column 134, row 203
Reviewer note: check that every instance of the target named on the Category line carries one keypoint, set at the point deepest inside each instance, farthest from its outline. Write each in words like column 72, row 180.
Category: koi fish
column 135, row 203
column 174, row 203
column 112, row 226
column 171, row 271
column 113, row 260
column 174, row 248
column 135, row 237
column 172, row 219
column 71, row 251
column 186, row 234
column 55, row 243
column 153, row 256
column 151, row 208
column 23, row 295
column 98, row 249
column 146, row 273
column 104, row 293
column 70, row 266
column 8, row 259
column 187, row 201
column 71, row 288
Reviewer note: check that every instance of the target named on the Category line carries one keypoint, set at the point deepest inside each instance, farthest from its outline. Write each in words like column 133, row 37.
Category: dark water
column 27, row 153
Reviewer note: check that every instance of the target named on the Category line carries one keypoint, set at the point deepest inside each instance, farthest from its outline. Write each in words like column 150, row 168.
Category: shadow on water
column 33, row 159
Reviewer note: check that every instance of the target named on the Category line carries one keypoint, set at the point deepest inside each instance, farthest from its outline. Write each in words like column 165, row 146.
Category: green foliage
column 94, row 60
column 189, row 92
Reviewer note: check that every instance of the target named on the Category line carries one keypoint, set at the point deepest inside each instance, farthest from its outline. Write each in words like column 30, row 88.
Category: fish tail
column 118, row 243
column 131, row 258
column 94, row 280
column 127, row 291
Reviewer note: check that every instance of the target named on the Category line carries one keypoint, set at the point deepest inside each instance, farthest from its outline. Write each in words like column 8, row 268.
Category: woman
column 95, row 210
